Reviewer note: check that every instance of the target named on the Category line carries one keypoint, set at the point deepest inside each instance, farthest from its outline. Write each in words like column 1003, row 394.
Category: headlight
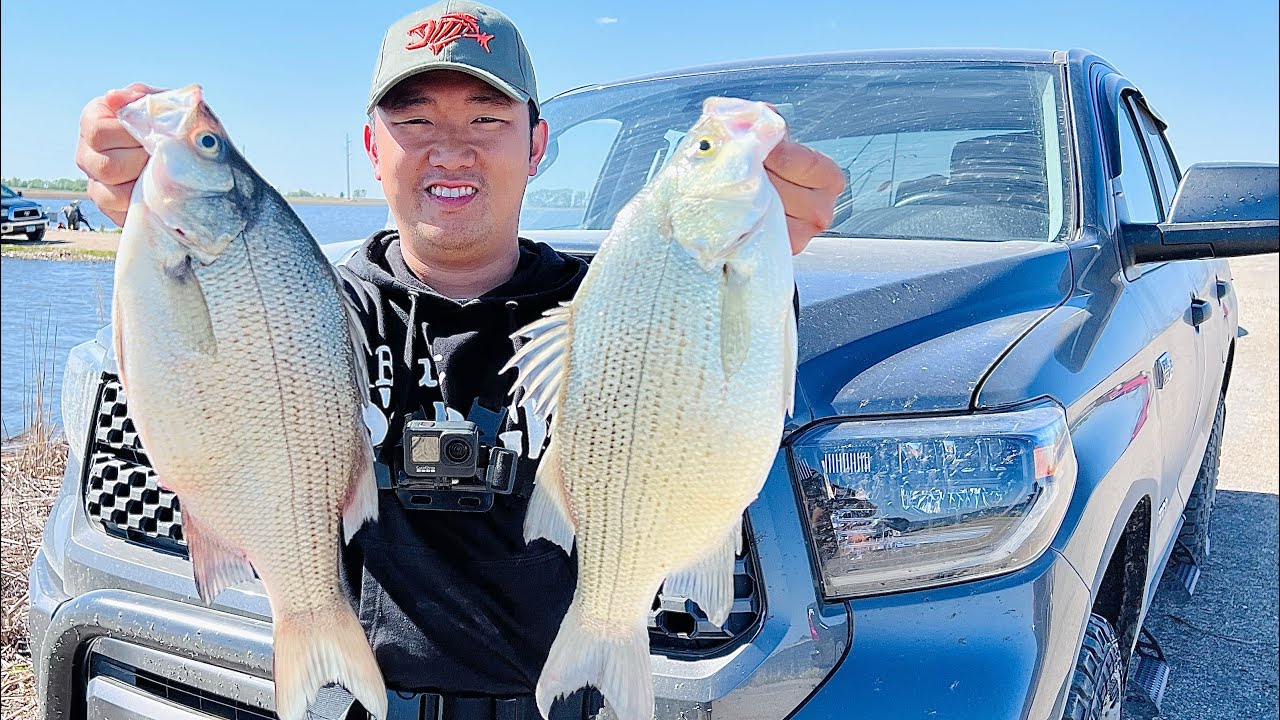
column 903, row 504
column 80, row 380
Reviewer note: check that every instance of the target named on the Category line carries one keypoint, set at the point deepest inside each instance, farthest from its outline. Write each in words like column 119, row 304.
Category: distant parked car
column 21, row 216
column 1014, row 348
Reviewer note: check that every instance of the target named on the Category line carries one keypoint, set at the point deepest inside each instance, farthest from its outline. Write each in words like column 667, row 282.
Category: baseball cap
column 455, row 35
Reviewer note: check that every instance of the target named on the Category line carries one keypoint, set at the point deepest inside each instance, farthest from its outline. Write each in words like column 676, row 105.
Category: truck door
column 1165, row 292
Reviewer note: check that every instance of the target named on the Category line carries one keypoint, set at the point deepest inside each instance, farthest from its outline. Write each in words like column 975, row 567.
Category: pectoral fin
column 549, row 515
column 190, row 311
column 735, row 319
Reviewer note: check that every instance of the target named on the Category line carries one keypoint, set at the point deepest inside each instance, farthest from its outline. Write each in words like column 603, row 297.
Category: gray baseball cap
column 455, row 35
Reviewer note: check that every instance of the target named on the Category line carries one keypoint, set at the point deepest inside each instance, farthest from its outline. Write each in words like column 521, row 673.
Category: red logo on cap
column 436, row 34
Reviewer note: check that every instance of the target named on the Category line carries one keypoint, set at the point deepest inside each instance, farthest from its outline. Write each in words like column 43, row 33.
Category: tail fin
column 618, row 665
column 310, row 654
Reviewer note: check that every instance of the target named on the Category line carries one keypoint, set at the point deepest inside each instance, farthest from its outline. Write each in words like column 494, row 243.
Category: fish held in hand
column 665, row 383
column 235, row 347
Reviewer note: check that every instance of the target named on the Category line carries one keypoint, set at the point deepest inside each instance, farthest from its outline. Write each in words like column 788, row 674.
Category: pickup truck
column 1014, row 344
column 19, row 216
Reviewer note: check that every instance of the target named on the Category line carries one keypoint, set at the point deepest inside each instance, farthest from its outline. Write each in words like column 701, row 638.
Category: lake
column 51, row 306
column 47, row 307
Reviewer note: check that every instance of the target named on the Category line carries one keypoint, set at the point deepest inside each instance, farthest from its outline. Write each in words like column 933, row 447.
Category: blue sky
column 290, row 79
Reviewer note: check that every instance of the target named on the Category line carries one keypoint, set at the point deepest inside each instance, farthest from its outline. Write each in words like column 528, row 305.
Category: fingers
column 106, row 152
column 804, row 166
column 112, row 200
column 808, row 183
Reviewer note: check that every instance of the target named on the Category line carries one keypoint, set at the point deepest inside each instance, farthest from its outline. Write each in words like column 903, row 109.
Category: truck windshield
column 973, row 151
column 6, row 193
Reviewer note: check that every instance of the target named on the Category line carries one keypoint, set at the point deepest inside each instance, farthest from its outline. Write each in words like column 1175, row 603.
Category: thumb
column 116, row 99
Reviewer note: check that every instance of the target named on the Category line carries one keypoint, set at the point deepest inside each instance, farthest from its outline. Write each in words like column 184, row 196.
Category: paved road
column 1222, row 643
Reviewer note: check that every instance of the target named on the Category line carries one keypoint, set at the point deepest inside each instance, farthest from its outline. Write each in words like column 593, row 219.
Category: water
column 328, row 222
column 47, row 307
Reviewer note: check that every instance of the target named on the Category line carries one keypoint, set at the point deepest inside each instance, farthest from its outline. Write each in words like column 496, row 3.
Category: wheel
column 1194, row 535
column 1097, row 687
column 35, row 235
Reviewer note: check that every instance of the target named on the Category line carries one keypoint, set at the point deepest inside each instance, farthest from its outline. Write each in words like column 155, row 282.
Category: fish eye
column 704, row 146
column 207, row 143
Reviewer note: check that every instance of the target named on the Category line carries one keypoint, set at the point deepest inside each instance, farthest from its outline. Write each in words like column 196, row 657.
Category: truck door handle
column 1221, row 288
column 1200, row 311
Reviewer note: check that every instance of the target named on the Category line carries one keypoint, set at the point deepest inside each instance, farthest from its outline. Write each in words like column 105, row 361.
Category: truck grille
column 121, row 493
column 179, row 694
column 26, row 213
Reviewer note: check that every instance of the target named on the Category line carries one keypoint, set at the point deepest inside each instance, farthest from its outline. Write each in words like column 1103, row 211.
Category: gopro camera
column 446, row 466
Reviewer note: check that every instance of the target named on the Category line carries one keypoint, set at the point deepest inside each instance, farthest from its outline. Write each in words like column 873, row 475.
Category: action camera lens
column 457, row 451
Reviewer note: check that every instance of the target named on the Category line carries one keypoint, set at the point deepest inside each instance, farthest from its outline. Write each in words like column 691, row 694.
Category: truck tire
column 1097, row 687
column 35, row 235
column 1194, row 535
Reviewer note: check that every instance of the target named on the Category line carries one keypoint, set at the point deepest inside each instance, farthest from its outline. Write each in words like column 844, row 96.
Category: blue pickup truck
column 1015, row 342
column 20, row 216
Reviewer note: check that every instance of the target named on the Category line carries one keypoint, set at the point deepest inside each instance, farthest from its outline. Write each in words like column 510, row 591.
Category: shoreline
column 89, row 245
column 81, row 195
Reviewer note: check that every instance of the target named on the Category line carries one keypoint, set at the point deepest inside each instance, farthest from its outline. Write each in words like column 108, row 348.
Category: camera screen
column 424, row 449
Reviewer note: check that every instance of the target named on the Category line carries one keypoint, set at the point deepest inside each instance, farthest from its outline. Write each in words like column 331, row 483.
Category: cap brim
column 506, row 88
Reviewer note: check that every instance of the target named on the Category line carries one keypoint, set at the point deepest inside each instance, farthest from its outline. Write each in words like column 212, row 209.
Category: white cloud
column 606, row 20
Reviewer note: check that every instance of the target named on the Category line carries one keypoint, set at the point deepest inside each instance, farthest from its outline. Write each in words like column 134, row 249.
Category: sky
column 289, row 80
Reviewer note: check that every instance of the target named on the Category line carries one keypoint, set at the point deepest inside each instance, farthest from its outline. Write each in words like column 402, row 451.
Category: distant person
column 459, row 610
column 75, row 217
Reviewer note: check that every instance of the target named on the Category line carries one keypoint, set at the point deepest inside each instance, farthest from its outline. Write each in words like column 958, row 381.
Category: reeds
column 31, row 470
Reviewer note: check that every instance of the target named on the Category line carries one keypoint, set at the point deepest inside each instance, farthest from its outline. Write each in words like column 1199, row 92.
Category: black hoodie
column 454, row 602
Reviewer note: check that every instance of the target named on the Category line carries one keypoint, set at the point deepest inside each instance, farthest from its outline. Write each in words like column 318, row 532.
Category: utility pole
column 348, row 166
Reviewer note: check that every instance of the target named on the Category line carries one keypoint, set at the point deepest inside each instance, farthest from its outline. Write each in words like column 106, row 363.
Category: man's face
column 453, row 154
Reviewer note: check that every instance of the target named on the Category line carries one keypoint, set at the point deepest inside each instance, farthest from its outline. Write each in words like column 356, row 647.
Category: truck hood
column 894, row 326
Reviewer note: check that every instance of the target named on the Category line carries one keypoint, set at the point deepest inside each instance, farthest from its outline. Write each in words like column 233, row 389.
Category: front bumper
column 998, row 649
column 16, row 227
column 76, row 640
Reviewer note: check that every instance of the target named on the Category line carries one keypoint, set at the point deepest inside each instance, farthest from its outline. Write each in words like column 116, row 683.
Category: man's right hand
column 106, row 152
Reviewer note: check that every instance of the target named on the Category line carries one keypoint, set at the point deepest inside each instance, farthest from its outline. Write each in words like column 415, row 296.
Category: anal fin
column 708, row 581
column 215, row 563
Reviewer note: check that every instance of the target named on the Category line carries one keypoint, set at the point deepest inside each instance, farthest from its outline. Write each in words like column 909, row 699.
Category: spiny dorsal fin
column 541, row 365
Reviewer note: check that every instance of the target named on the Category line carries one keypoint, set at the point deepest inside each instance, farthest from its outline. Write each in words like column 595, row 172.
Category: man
column 459, row 610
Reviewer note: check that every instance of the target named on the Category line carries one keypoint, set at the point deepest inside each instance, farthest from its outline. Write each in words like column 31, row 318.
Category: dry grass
column 30, row 474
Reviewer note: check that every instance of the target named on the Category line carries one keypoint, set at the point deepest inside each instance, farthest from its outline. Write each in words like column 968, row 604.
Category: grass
column 47, row 253
column 30, row 474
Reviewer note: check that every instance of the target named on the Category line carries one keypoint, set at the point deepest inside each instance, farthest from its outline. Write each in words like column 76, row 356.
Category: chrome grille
column 121, row 491
column 26, row 213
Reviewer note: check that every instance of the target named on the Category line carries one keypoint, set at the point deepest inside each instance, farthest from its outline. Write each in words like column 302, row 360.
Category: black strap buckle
column 582, row 705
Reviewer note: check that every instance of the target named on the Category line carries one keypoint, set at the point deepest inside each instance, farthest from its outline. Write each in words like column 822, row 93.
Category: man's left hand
column 808, row 183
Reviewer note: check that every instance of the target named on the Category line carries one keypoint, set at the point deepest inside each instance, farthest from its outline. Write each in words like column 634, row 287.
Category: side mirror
column 19, row 193
column 1221, row 210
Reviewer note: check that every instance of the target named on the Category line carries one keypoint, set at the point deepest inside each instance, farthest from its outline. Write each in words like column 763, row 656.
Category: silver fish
column 666, row 382
column 235, row 349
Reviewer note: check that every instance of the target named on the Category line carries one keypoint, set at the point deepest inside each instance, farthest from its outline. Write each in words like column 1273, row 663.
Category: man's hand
column 108, row 154
column 808, row 183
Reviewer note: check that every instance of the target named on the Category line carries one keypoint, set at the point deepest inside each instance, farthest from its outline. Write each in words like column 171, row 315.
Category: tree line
column 77, row 184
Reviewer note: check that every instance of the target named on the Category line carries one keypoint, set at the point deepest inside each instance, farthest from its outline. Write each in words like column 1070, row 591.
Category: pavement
column 1222, row 643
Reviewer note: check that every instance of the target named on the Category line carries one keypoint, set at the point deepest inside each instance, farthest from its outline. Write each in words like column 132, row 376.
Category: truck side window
column 1166, row 167
column 1135, row 193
